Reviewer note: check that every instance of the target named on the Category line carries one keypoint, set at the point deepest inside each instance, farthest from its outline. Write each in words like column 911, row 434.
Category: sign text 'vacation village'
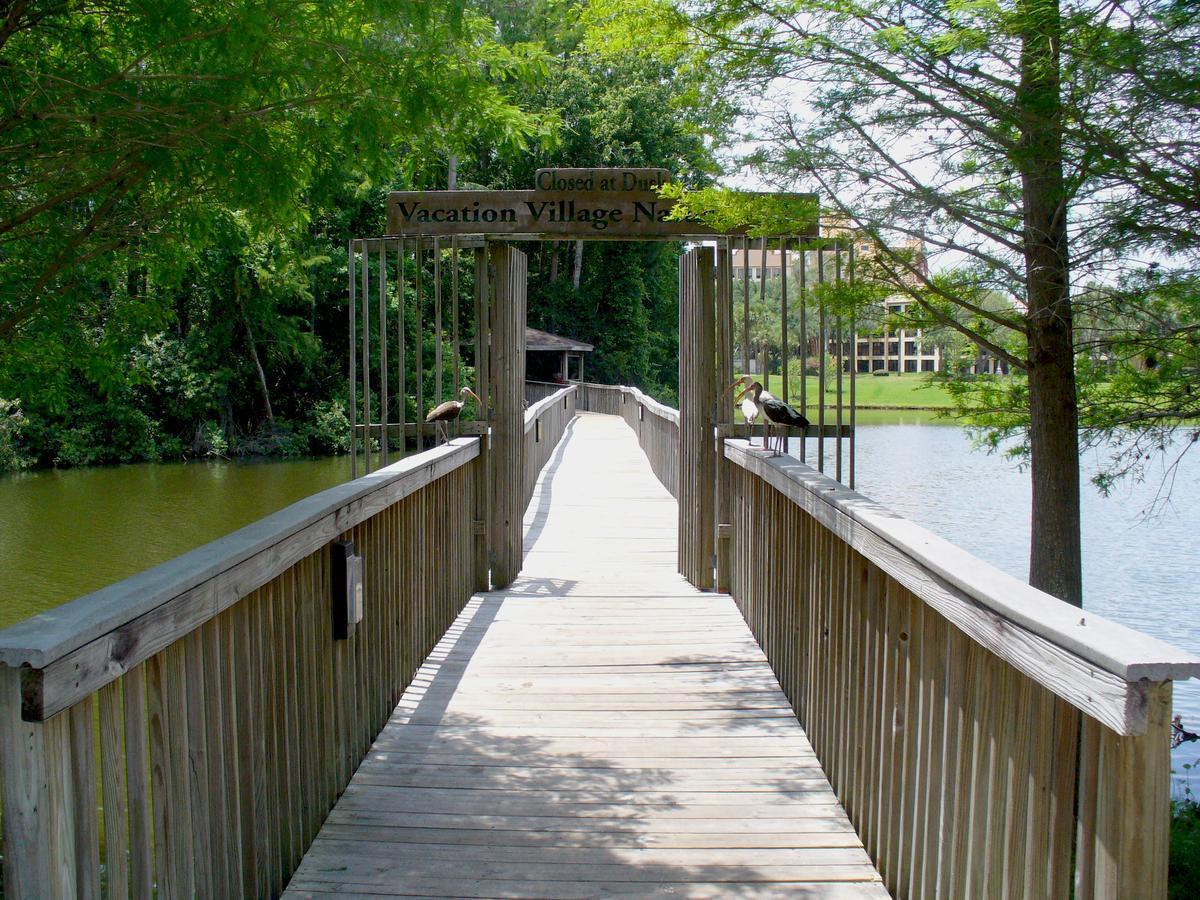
column 574, row 203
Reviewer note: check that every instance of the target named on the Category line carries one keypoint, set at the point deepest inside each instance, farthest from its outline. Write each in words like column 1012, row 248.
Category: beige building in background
column 905, row 351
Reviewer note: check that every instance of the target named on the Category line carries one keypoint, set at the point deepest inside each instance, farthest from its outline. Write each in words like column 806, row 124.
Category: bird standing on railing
column 778, row 413
column 750, row 408
column 449, row 411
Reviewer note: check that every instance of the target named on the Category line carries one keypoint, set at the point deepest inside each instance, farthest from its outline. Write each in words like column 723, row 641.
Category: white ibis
column 750, row 409
column 778, row 412
column 449, row 411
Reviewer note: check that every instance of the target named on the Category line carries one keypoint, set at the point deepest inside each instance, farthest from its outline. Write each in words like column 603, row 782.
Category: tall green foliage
column 177, row 179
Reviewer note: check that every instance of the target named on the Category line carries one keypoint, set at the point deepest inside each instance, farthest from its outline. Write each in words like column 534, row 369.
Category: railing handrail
column 542, row 405
column 47, row 637
column 653, row 406
column 1101, row 667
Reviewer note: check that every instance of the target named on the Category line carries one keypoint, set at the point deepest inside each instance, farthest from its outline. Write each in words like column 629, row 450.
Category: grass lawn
column 894, row 391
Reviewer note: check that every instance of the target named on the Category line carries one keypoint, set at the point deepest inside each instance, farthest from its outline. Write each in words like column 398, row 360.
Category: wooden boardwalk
column 599, row 728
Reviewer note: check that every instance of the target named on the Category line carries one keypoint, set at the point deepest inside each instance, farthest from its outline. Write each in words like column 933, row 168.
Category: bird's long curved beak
column 737, row 397
column 479, row 411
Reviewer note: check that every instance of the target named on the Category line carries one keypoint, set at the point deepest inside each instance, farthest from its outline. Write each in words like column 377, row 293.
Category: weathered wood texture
column 599, row 727
column 233, row 720
column 697, row 406
column 540, row 390
column 507, row 277
column 950, row 730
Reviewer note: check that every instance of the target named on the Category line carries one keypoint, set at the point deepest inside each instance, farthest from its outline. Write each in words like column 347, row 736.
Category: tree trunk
column 262, row 376
column 577, row 270
column 1055, row 564
column 553, row 261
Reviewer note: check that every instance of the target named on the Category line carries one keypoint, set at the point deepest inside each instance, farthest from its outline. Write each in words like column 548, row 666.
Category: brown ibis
column 450, row 411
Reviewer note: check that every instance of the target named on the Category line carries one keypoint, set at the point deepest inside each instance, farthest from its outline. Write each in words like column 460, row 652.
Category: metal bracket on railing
column 347, row 589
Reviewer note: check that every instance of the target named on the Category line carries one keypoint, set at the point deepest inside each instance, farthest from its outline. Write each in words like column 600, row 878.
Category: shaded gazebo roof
column 545, row 341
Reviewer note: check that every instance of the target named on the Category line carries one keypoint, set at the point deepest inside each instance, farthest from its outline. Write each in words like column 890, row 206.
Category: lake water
column 65, row 533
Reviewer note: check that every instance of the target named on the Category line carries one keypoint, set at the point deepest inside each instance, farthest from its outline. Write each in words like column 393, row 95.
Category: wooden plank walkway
column 600, row 728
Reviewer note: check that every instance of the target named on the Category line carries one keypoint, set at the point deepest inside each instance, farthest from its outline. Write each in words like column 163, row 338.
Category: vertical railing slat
column 203, row 837
column 112, row 774
column 138, row 782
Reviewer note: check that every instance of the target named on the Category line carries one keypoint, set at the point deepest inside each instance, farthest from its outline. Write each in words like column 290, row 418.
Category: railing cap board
column 652, row 405
column 545, row 403
column 1134, row 658
column 41, row 639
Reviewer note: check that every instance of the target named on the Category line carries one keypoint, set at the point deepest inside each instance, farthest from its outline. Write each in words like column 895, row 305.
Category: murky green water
column 66, row 533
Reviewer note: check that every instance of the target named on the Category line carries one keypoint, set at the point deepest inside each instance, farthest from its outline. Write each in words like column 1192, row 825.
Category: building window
column 893, row 365
column 910, row 365
column 927, row 365
column 864, row 348
column 877, row 349
column 864, row 365
column 910, row 348
column 894, row 348
column 877, row 365
column 896, row 308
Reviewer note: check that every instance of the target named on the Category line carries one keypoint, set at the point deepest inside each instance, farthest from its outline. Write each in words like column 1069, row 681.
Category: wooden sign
column 602, row 181
column 536, row 214
column 595, row 204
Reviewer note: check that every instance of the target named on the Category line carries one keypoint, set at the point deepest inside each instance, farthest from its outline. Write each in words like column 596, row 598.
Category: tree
column 127, row 130
column 169, row 168
column 995, row 133
column 615, row 110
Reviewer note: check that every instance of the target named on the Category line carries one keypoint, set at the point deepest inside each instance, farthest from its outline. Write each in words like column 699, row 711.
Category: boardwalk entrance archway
column 452, row 254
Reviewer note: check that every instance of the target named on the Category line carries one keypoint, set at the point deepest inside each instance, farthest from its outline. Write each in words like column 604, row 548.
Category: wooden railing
column 201, row 715
column 986, row 739
column 540, row 390
column 546, row 422
column 185, row 732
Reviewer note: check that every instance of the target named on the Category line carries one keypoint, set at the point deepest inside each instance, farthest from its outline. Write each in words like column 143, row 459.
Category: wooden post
column 353, row 374
column 823, row 351
column 697, row 397
column 803, row 343
column 419, row 345
column 402, row 361
column 724, row 503
column 508, row 405
column 365, row 297
column 31, row 866
column 483, row 494
column 383, row 358
column 1133, row 781
column 455, row 341
column 437, row 322
column 783, row 323
column 853, row 369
